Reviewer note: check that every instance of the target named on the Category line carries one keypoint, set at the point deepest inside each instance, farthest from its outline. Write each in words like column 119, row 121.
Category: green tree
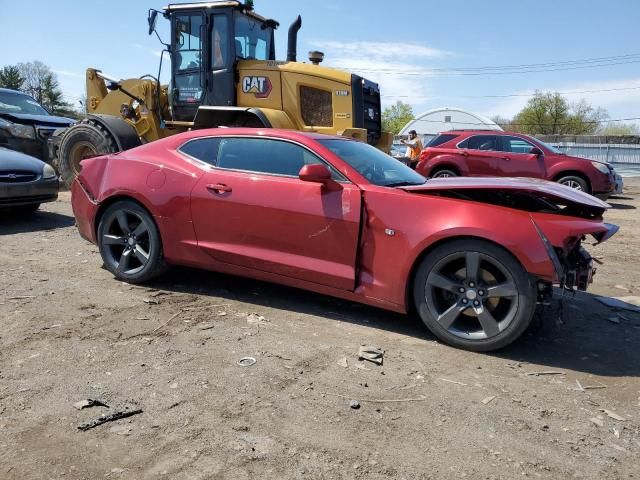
column 616, row 128
column 42, row 84
column 551, row 114
column 53, row 98
column 396, row 116
column 10, row 77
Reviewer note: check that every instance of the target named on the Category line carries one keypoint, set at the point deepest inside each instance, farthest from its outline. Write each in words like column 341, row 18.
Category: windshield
column 373, row 164
column 253, row 39
column 14, row 102
column 550, row 147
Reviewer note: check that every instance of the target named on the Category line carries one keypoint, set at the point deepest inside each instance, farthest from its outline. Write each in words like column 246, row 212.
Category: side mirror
column 315, row 173
column 153, row 17
column 536, row 151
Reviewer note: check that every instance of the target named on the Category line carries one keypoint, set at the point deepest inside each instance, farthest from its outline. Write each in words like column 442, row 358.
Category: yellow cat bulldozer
column 224, row 72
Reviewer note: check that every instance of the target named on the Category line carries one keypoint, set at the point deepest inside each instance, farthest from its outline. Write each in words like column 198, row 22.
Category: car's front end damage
column 564, row 219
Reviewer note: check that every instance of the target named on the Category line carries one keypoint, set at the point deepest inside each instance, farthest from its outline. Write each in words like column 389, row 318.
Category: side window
column 220, row 49
column 440, row 139
column 482, row 142
column 188, row 53
column 204, row 149
column 275, row 157
column 516, row 145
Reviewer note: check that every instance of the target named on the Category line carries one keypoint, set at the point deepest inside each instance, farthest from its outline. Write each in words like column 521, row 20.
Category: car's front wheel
column 130, row 243
column 444, row 173
column 474, row 295
column 575, row 182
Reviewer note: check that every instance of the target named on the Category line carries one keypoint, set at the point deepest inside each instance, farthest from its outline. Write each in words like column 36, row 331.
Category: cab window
column 188, row 43
column 252, row 39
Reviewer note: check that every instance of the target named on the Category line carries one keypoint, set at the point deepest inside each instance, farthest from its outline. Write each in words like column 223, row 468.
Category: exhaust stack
column 292, row 46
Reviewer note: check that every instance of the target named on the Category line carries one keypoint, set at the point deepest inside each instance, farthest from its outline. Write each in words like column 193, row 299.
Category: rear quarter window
column 203, row 149
column 440, row 140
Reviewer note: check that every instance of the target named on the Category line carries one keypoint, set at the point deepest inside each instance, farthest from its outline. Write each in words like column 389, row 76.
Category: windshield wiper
column 404, row 184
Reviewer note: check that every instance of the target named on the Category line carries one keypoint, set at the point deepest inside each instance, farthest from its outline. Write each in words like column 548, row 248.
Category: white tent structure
column 443, row 119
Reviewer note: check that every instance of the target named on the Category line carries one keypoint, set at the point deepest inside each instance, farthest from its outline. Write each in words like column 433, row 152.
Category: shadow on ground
column 621, row 206
column 11, row 223
column 575, row 333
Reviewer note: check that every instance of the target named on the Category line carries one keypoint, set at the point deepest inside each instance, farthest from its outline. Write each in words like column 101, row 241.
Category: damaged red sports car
column 473, row 256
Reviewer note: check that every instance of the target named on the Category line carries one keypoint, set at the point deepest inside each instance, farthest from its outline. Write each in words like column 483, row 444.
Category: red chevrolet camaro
column 473, row 256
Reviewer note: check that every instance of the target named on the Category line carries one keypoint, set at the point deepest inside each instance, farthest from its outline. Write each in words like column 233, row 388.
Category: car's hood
column 12, row 160
column 523, row 193
column 27, row 119
column 581, row 159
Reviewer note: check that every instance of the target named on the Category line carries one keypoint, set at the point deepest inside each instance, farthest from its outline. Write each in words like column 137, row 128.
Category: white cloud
column 384, row 50
column 381, row 62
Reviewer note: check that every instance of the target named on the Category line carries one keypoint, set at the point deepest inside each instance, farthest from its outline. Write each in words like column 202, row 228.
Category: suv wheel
column 444, row 173
column 575, row 182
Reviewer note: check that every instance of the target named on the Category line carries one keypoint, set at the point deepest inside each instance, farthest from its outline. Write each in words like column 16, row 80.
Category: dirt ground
column 564, row 402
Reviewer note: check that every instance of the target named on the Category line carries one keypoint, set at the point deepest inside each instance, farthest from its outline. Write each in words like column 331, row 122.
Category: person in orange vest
column 414, row 147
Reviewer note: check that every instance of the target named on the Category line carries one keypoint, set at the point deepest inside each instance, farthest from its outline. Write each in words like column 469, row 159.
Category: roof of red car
column 488, row 131
column 267, row 132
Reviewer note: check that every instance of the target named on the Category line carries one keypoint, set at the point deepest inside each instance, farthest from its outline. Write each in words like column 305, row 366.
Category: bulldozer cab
column 207, row 40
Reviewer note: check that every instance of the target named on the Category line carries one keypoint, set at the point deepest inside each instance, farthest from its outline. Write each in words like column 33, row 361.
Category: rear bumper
column 39, row 191
column 85, row 209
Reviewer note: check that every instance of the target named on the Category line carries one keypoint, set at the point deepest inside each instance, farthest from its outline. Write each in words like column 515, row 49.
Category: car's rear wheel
column 130, row 243
column 474, row 295
column 444, row 173
column 575, row 182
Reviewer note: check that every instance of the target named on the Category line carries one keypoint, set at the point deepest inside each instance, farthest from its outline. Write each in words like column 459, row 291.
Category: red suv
column 504, row 154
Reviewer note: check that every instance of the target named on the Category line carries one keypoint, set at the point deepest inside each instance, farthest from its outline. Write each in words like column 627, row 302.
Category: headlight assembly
column 22, row 131
column 48, row 171
column 601, row 167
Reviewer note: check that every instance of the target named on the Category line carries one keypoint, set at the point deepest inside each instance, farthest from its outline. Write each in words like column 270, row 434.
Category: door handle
column 506, row 158
column 464, row 153
column 218, row 187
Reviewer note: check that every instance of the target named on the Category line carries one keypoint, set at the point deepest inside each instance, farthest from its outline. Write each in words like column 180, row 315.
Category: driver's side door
column 516, row 159
column 252, row 210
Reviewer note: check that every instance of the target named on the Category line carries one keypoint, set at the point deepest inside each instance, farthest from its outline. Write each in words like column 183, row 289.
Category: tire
column 27, row 209
column 86, row 138
column 575, row 182
column 130, row 243
column 503, row 292
column 444, row 173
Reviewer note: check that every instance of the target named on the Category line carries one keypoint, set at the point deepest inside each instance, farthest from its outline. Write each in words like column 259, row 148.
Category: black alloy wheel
column 474, row 295
column 130, row 243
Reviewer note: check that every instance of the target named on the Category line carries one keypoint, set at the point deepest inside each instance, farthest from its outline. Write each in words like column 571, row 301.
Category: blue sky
column 379, row 39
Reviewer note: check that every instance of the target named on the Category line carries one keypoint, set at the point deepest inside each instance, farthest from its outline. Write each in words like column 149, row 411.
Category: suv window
column 261, row 155
column 480, row 142
column 204, row 149
column 440, row 139
column 516, row 145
